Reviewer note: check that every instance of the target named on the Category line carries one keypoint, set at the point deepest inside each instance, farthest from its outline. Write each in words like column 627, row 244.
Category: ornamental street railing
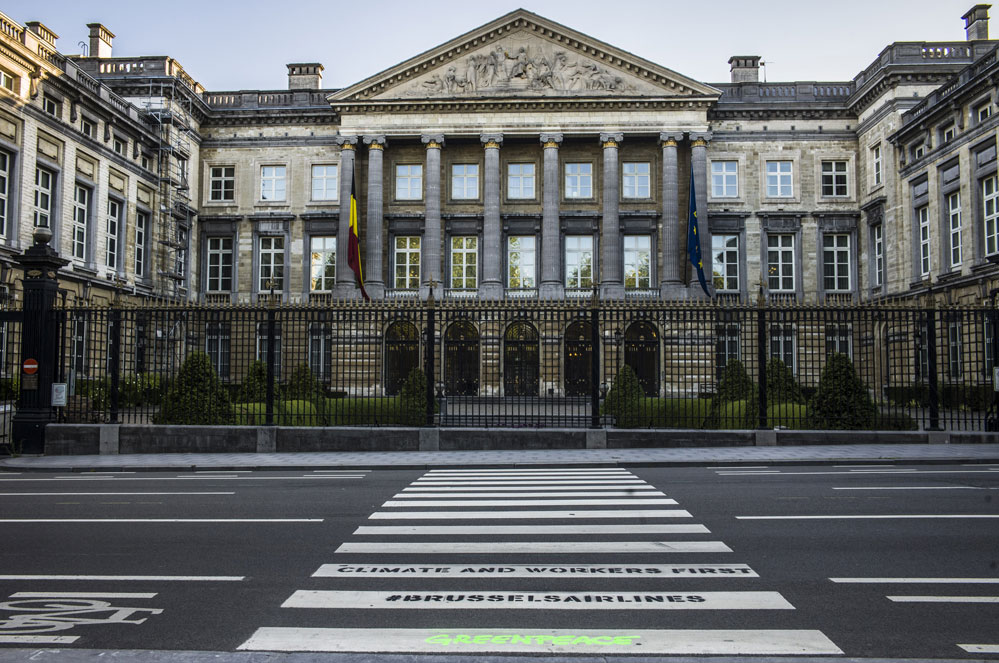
column 520, row 363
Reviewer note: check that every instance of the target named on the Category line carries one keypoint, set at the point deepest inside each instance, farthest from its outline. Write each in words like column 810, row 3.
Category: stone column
column 552, row 286
column 430, row 263
column 612, row 259
column 699, row 162
column 674, row 258
column 346, row 286
column 492, row 231
column 374, row 273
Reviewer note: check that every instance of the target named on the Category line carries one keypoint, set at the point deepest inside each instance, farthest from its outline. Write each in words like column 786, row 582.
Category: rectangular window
column 637, row 261
column 222, row 183
column 81, row 221
column 263, row 341
column 113, row 228
column 326, row 182
column 780, row 263
column 579, row 261
column 725, row 179
column 8, row 81
column 465, row 181
column 726, row 347
column 876, row 164
column 322, row 264
column 51, row 105
column 725, row 263
column 5, row 211
column 141, row 232
column 947, row 133
column 879, row 255
column 88, row 127
column 918, row 151
column 779, row 179
column 79, row 343
column 923, row 216
column 407, row 263
column 637, row 180
column 990, row 203
column 989, row 348
column 409, row 182
column 834, row 178
column 954, row 349
column 839, row 339
column 983, row 112
column 183, row 170
column 956, row 231
column 219, row 264
column 783, row 338
column 520, row 181
column 273, row 185
column 521, row 258
column 836, row 263
column 578, row 180
column 44, row 186
column 119, row 145
column 180, row 255
column 464, row 263
column 922, row 353
column 321, row 350
column 271, row 265
column 218, row 342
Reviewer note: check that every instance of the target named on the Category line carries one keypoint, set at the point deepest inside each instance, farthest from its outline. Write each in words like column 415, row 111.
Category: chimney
column 976, row 22
column 100, row 41
column 745, row 68
column 43, row 32
column 305, row 76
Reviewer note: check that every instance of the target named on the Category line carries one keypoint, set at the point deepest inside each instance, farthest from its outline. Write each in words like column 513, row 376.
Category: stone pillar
column 346, row 286
column 492, row 231
column 699, row 162
column 430, row 263
column 552, row 286
column 374, row 273
column 671, row 285
column 612, row 259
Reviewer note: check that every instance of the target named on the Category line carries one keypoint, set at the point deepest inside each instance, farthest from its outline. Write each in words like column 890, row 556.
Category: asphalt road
column 889, row 561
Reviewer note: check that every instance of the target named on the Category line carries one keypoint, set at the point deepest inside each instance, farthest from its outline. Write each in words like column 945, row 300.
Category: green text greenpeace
column 558, row 640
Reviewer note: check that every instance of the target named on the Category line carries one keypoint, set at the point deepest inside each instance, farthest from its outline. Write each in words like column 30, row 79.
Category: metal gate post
column 431, row 345
column 595, row 362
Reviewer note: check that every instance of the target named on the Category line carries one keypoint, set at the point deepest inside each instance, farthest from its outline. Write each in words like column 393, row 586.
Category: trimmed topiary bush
column 302, row 384
column 254, row 386
column 842, row 401
column 413, row 399
column 734, row 386
column 624, row 398
column 781, row 385
column 196, row 396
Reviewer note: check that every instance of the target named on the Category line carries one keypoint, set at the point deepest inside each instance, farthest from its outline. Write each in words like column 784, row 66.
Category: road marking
column 200, row 477
column 856, row 474
column 63, row 494
column 908, row 488
column 536, row 571
column 517, row 489
column 872, row 465
column 129, row 578
column 533, row 547
column 622, row 493
column 738, row 467
column 480, row 477
column 406, row 530
column 222, row 471
column 755, row 473
column 344, row 471
column 161, row 520
column 505, row 600
column 552, row 641
column 548, row 502
column 906, row 581
column 520, row 470
column 527, row 482
column 944, row 599
column 907, row 516
column 469, row 515
column 38, row 639
column 83, row 595
column 980, row 649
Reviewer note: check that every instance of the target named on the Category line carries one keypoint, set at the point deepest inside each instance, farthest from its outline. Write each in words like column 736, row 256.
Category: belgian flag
column 353, row 245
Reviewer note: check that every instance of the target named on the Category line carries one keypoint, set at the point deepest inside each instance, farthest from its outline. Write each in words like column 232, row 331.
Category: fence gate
column 520, row 360
column 402, row 354
column 578, row 351
column 461, row 359
column 641, row 352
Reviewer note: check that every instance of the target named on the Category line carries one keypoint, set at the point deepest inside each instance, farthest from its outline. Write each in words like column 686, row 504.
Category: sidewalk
column 905, row 453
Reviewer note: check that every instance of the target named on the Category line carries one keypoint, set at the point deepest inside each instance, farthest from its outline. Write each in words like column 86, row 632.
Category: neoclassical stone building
column 521, row 159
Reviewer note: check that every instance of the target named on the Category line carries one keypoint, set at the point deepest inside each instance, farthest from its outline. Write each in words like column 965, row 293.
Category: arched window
column 461, row 359
column 520, row 360
column 402, row 354
column 641, row 352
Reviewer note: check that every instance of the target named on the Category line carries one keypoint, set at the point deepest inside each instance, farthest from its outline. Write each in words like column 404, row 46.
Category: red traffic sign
column 30, row 366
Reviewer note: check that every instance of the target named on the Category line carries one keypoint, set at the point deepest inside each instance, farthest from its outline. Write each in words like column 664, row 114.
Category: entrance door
column 520, row 360
column 641, row 352
column 578, row 353
column 402, row 354
column 461, row 359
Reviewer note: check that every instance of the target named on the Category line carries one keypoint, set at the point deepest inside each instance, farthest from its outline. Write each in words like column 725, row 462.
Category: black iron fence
column 530, row 364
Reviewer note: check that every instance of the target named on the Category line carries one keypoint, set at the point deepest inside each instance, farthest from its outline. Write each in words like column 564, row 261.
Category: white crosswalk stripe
column 571, row 503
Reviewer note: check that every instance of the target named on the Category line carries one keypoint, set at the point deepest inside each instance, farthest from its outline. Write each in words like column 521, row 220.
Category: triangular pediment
column 522, row 55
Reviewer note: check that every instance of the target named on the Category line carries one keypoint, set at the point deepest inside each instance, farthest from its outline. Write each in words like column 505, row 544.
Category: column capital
column 699, row 138
column 347, row 142
column 670, row 138
column 551, row 140
column 433, row 141
column 491, row 141
column 610, row 139
column 376, row 142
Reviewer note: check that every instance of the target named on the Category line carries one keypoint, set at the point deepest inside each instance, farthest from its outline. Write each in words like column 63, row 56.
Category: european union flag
column 694, row 238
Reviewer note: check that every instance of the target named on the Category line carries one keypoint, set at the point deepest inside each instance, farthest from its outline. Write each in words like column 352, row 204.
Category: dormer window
column 918, row 150
column 983, row 111
column 947, row 133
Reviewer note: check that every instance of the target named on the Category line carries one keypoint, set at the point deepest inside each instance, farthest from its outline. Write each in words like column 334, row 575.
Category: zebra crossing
column 417, row 567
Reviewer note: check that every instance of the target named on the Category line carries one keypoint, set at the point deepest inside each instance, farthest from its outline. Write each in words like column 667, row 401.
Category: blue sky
column 229, row 45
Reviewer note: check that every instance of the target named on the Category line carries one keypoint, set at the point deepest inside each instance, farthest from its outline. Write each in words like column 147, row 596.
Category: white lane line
column 533, row 547
column 741, row 474
column 344, row 471
column 738, row 467
column 430, row 530
column 160, row 520
column 980, row 649
column 476, row 515
column 205, row 477
column 908, row 488
column 517, row 489
column 222, row 472
column 871, row 465
column 870, row 517
column 127, row 578
column 38, row 639
column 480, row 477
column 548, row 502
column 520, row 470
column 83, row 595
column 505, row 600
column 471, row 642
column 79, row 494
column 944, row 599
column 908, row 470
column 621, row 493
column 918, row 581
column 857, row 474
column 526, row 482
column 115, row 472
column 536, row 571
